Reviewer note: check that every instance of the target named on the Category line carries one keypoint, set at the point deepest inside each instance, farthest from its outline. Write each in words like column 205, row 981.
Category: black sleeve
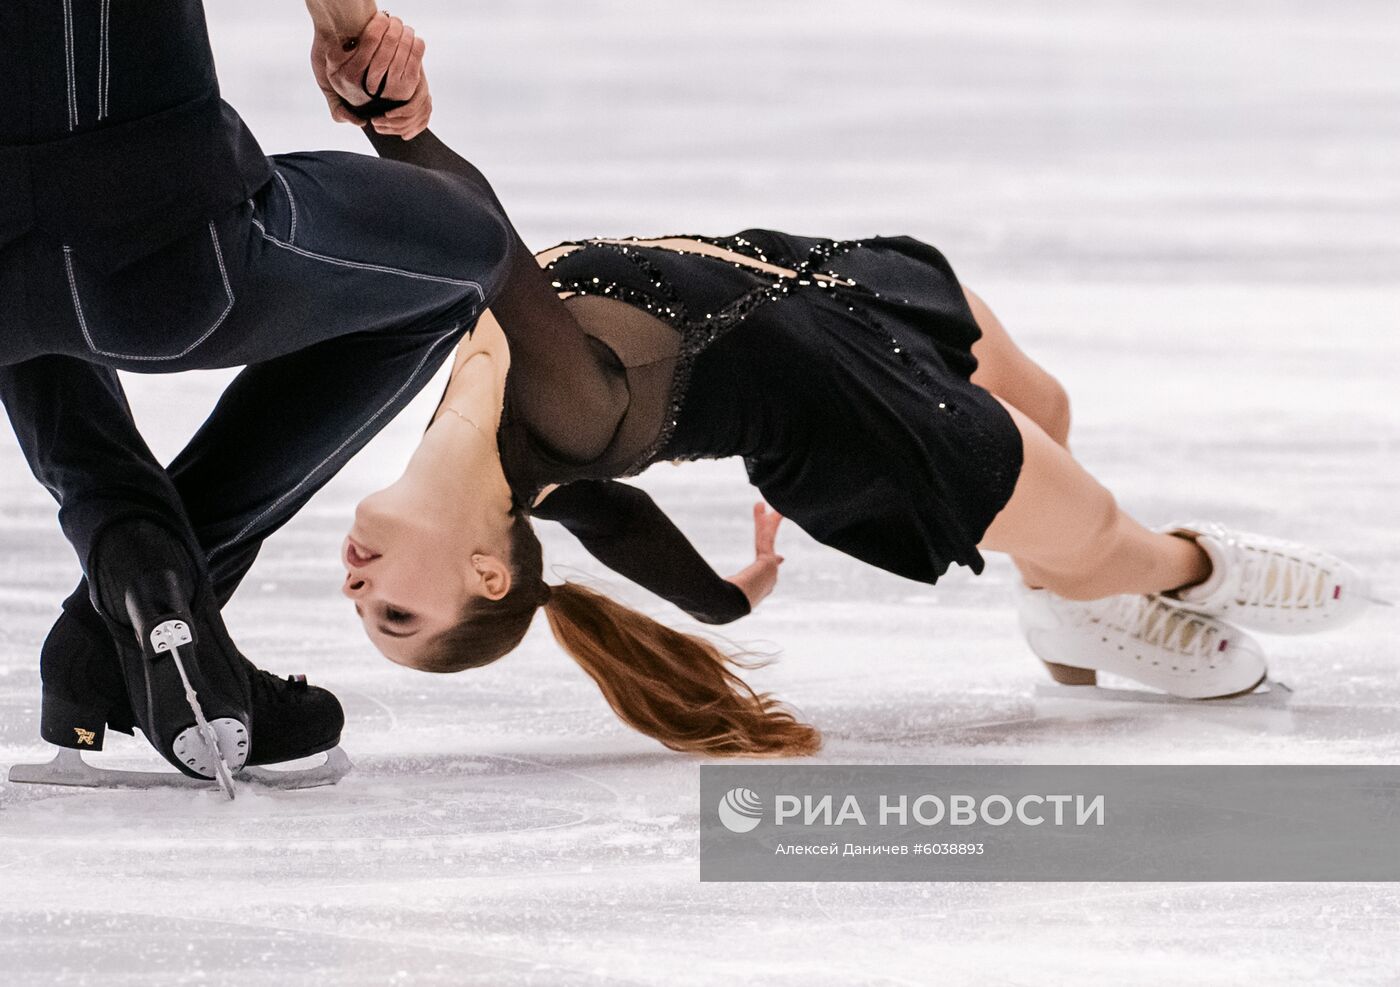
column 426, row 151
column 567, row 390
column 624, row 529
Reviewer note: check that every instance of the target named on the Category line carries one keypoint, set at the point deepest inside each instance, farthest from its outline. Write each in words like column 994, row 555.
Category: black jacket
column 115, row 141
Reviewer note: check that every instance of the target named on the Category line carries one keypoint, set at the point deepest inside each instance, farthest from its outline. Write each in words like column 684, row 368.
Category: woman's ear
column 495, row 576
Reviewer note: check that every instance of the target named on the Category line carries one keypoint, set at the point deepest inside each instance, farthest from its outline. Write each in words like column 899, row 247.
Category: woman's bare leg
column 1067, row 533
column 1006, row 371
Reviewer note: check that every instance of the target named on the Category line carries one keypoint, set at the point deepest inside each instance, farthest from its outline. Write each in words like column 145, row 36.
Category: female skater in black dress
column 846, row 375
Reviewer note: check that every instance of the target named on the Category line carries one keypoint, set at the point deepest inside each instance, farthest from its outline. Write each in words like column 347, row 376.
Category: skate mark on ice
column 422, row 800
column 299, row 935
column 1083, row 894
column 375, row 701
column 434, row 827
column 616, row 795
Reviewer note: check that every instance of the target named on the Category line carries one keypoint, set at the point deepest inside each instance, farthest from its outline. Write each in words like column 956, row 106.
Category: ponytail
column 678, row 688
column 675, row 687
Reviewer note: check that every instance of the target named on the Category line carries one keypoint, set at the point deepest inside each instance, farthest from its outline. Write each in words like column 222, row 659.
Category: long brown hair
column 680, row 689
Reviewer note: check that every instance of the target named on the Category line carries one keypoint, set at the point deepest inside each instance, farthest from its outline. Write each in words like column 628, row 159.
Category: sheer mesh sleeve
column 565, row 384
column 624, row 529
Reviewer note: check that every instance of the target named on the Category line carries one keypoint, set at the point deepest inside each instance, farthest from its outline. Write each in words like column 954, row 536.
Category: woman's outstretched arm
column 624, row 529
column 427, row 151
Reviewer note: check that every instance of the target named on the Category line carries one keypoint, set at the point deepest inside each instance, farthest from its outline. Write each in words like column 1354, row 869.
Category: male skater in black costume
column 142, row 229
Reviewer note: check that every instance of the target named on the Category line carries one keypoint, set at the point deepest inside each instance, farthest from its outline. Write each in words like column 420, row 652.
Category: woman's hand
column 759, row 577
column 411, row 119
column 385, row 61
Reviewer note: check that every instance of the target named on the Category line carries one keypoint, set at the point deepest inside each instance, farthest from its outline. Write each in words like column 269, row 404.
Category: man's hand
column 385, row 61
column 759, row 578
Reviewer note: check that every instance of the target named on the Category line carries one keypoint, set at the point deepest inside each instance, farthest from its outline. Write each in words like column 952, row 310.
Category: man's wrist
column 340, row 23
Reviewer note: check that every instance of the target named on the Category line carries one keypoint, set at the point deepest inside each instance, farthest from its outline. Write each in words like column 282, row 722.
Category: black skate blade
column 1275, row 696
column 69, row 769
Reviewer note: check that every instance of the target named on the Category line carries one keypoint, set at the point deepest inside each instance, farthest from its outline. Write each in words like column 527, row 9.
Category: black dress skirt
column 844, row 388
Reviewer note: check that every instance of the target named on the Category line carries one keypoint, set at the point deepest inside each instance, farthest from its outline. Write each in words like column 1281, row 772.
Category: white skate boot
column 1271, row 585
column 1145, row 638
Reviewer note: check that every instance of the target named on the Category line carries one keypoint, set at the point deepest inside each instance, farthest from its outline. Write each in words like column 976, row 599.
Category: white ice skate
column 1144, row 638
column 1272, row 585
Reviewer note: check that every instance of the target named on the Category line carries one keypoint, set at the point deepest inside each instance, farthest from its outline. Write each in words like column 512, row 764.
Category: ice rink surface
column 1190, row 212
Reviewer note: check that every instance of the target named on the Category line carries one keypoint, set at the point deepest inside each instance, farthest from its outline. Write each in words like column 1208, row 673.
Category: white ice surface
column 1189, row 211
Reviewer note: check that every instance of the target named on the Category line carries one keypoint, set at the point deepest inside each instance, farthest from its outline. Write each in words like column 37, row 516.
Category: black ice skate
column 187, row 693
column 85, row 694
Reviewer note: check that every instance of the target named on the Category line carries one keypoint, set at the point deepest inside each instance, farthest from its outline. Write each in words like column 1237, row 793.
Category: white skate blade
column 1275, row 696
column 68, row 768
column 335, row 767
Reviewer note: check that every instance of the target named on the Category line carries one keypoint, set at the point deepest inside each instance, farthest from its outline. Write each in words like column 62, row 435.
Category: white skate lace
column 1269, row 578
column 1156, row 623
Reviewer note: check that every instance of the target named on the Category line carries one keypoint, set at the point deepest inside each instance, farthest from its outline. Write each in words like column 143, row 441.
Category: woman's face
column 409, row 577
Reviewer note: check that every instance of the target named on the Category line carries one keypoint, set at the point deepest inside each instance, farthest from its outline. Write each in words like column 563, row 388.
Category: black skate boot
column 84, row 689
column 85, row 695
column 294, row 719
column 189, row 689
column 89, row 688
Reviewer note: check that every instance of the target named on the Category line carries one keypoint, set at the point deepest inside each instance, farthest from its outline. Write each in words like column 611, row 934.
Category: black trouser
column 342, row 285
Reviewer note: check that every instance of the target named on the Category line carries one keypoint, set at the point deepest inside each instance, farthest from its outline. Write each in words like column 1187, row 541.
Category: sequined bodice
column 684, row 301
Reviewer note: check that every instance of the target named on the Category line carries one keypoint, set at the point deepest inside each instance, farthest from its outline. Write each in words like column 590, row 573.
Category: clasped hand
column 385, row 61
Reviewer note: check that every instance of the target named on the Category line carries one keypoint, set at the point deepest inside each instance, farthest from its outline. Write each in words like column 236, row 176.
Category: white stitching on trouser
column 143, row 358
column 310, row 476
column 292, row 201
column 360, row 266
column 68, row 65
column 104, row 60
